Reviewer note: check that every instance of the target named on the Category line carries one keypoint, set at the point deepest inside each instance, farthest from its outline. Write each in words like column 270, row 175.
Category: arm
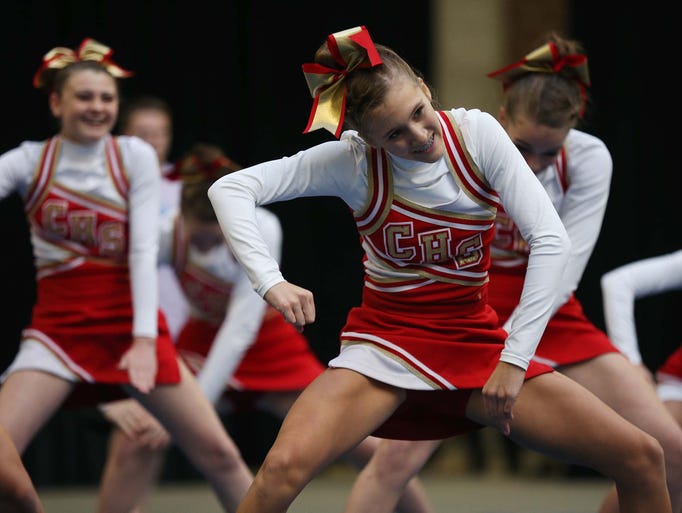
column 583, row 207
column 329, row 169
column 242, row 322
column 145, row 178
column 621, row 286
column 529, row 206
column 17, row 167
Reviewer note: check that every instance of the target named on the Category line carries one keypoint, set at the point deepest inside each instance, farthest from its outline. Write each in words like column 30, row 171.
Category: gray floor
column 453, row 479
column 327, row 494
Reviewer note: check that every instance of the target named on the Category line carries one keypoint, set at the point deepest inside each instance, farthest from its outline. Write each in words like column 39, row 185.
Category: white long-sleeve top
column 623, row 285
column 82, row 169
column 242, row 308
column 339, row 168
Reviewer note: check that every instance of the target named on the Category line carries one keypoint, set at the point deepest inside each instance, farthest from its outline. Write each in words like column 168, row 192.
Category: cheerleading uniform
column 93, row 212
column 232, row 338
column 424, row 324
column 578, row 185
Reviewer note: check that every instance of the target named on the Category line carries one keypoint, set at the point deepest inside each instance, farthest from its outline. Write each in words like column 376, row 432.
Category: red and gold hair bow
column 193, row 170
column 546, row 59
column 352, row 48
column 89, row 50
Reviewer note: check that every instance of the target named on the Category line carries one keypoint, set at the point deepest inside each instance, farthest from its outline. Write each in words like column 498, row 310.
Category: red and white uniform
column 620, row 288
column 578, row 184
column 233, row 339
column 93, row 213
column 424, row 324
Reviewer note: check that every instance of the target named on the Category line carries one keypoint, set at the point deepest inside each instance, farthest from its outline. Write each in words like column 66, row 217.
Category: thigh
column 558, row 417
column 184, row 411
column 334, row 413
column 623, row 387
column 675, row 408
column 28, row 398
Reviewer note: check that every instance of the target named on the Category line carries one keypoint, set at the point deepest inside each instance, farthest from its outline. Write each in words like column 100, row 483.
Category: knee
column 643, row 461
column 287, row 469
column 398, row 461
column 20, row 497
column 127, row 449
column 220, row 455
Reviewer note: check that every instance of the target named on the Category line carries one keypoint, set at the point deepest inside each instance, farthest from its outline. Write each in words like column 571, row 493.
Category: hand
column 296, row 304
column 500, row 393
column 140, row 361
column 136, row 422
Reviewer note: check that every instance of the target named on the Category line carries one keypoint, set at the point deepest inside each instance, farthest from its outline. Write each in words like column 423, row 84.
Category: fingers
column 153, row 435
column 141, row 367
column 296, row 304
column 498, row 407
column 500, row 393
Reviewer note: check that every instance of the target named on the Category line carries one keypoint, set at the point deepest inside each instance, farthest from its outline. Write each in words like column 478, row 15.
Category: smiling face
column 539, row 144
column 87, row 106
column 405, row 123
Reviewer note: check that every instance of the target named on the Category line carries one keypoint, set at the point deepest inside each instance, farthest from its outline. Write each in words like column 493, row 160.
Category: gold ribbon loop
column 89, row 50
column 546, row 59
column 351, row 49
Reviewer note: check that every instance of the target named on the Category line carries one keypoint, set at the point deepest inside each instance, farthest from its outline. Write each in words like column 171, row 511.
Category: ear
column 424, row 88
column 55, row 105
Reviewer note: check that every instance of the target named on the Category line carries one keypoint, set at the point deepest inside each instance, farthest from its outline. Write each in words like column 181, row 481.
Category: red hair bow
column 546, row 59
column 89, row 50
column 352, row 48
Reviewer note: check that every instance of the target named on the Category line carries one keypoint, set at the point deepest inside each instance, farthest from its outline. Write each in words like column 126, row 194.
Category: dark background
column 232, row 74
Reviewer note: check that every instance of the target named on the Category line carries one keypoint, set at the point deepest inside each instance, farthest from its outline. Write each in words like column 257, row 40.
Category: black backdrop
column 232, row 74
column 231, row 70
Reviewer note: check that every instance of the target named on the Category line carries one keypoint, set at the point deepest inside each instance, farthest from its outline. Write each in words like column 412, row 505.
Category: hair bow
column 89, row 50
column 546, row 59
column 193, row 170
column 352, row 48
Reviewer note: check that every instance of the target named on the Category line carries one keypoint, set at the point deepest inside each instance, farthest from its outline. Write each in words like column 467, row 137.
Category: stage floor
column 448, row 494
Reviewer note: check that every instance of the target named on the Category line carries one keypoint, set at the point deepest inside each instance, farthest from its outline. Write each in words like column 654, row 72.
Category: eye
column 418, row 112
column 393, row 135
column 84, row 95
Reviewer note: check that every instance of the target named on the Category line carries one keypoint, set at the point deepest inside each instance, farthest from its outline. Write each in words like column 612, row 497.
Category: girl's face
column 87, row 106
column 153, row 126
column 203, row 235
column 405, row 124
column 539, row 144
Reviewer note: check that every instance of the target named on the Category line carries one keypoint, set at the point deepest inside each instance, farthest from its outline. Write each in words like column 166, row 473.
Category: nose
column 420, row 134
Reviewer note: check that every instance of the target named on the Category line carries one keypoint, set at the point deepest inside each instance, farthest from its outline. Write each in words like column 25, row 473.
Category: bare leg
column 44, row 392
column 333, row 414
column 675, row 408
column 17, row 493
column 410, row 496
column 389, row 474
column 195, row 426
column 557, row 417
column 621, row 385
column 130, row 472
